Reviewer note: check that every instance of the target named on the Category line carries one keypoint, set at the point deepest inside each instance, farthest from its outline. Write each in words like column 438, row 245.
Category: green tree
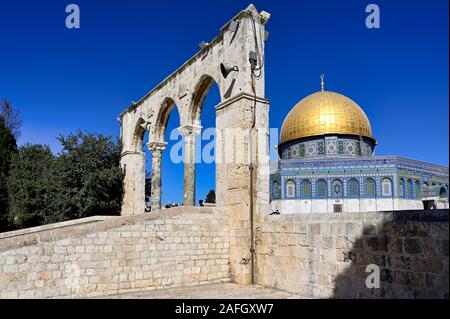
column 85, row 179
column 89, row 176
column 211, row 197
column 31, row 186
column 7, row 148
column 148, row 183
column 11, row 117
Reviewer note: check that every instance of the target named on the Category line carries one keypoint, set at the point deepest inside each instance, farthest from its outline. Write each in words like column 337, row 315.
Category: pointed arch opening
column 353, row 188
column 337, row 189
column 168, row 175
column 199, row 97
column 321, row 189
column 370, row 187
column 202, row 115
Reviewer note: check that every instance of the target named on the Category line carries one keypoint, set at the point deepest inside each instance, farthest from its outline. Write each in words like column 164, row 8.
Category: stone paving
column 216, row 291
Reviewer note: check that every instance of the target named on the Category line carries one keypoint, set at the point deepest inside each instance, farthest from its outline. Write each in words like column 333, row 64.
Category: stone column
column 156, row 148
column 133, row 164
column 190, row 133
column 236, row 159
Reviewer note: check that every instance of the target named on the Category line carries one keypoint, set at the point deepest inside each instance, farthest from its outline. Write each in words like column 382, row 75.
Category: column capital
column 156, row 146
column 190, row 130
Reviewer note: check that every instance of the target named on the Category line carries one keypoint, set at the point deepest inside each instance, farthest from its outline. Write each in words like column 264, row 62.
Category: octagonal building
column 327, row 164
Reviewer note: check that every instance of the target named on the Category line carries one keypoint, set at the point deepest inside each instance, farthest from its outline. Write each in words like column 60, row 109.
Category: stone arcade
column 243, row 108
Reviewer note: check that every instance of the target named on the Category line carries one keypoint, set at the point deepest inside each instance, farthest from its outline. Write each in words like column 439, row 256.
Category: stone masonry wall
column 326, row 255
column 157, row 250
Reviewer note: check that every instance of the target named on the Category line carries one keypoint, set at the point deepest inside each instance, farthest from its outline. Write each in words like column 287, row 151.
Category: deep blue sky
column 63, row 80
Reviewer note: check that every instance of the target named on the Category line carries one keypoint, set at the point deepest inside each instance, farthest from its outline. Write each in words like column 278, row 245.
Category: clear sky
column 63, row 80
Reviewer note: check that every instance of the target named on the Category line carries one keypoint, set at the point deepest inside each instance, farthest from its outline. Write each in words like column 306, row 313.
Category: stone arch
column 243, row 106
column 138, row 136
column 200, row 92
column 167, row 106
column 193, row 128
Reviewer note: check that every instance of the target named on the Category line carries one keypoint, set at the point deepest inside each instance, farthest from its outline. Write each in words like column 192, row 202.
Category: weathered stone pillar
column 246, row 198
column 156, row 148
column 190, row 133
column 133, row 164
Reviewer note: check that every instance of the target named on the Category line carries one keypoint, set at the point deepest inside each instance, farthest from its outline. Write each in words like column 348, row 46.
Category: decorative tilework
column 320, row 148
column 302, row 150
column 340, row 148
column 378, row 168
column 330, row 147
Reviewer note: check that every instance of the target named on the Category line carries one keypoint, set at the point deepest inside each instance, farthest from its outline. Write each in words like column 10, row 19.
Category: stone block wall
column 326, row 255
column 172, row 248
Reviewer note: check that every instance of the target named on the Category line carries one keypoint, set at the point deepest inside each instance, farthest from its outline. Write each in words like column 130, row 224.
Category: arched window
column 442, row 192
column 417, row 189
column 386, row 187
column 276, row 190
column 305, row 189
column 409, row 189
column 290, row 189
column 401, row 188
column 370, row 187
column 353, row 188
column 425, row 190
column 336, row 188
column 321, row 187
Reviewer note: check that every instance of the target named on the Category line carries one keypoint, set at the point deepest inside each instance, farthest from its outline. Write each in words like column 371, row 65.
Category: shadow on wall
column 412, row 254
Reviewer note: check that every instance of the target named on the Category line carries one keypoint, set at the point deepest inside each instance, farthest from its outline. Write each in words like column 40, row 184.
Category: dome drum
column 327, row 146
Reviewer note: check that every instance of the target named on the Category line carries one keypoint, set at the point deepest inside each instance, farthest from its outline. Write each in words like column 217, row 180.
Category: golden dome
column 323, row 113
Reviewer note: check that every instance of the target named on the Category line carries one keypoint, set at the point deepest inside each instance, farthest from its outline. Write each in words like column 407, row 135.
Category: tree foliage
column 85, row 179
column 7, row 149
column 211, row 197
column 11, row 118
column 89, row 175
column 31, row 186
column 148, row 184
